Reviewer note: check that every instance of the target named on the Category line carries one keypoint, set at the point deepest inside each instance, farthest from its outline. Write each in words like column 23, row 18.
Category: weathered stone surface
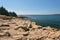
column 18, row 29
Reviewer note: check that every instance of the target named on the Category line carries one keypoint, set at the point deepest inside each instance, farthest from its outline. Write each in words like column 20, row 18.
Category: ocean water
column 45, row 20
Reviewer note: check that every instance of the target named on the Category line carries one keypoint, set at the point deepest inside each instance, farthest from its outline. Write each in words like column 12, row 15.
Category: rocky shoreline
column 18, row 29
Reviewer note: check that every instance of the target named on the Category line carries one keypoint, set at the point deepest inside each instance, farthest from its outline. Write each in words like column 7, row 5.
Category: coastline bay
column 46, row 20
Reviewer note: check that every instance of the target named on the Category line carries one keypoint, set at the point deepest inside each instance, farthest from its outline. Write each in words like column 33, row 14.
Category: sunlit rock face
column 18, row 29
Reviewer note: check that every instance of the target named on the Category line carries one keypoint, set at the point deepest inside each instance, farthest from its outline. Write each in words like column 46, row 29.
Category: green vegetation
column 3, row 11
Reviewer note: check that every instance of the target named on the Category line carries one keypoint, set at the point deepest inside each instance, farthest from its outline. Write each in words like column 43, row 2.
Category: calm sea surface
column 46, row 20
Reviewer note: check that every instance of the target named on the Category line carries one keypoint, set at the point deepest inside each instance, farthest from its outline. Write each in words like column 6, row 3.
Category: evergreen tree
column 3, row 11
column 12, row 14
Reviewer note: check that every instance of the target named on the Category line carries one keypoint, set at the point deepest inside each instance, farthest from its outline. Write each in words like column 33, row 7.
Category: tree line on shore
column 3, row 11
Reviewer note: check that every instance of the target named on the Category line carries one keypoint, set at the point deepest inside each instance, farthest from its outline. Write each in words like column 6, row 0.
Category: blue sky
column 32, row 7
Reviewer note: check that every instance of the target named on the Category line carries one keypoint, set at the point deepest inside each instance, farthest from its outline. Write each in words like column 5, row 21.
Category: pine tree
column 3, row 11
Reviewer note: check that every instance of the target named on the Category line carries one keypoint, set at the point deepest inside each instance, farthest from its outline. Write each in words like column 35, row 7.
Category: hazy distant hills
column 57, row 14
column 42, row 15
